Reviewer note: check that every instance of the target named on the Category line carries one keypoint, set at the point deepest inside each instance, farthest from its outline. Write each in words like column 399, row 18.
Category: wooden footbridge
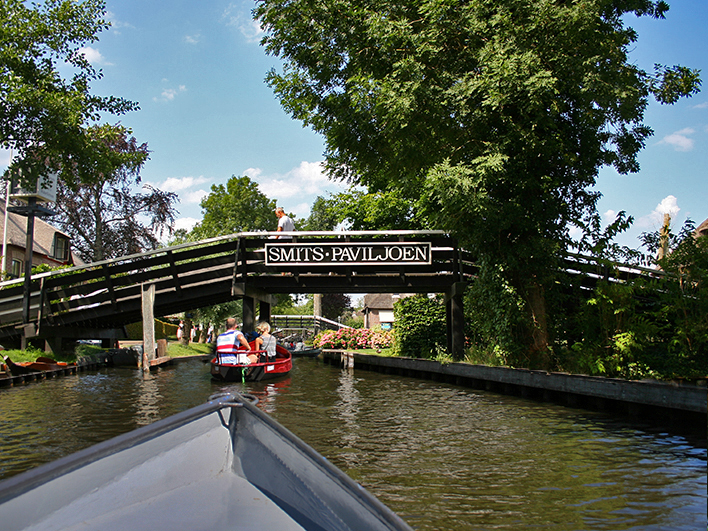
column 98, row 300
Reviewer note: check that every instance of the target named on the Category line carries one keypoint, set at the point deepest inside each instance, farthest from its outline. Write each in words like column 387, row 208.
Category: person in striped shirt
column 228, row 346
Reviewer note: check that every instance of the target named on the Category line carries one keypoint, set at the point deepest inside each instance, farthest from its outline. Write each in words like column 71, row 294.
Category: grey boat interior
column 222, row 465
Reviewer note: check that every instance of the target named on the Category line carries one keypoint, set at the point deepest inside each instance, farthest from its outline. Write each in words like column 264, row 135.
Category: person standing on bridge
column 266, row 341
column 228, row 344
column 285, row 224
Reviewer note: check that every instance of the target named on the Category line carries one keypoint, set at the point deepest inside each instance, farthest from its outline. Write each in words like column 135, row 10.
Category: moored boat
column 222, row 465
column 230, row 368
column 305, row 352
column 41, row 364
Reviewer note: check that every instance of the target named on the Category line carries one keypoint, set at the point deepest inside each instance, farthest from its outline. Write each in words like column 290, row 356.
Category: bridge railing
column 108, row 294
column 204, row 273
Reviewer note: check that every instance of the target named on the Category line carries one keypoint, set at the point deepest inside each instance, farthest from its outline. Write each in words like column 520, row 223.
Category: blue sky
column 197, row 71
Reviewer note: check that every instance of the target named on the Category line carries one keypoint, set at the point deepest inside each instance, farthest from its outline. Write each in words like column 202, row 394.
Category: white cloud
column 308, row 178
column 653, row 221
column 680, row 140
column 193, row 39
column 177, row 184
column 185, row 223
column 241, row 19
column 253, row 173
column 301, row 210
column 703, row 105
column 194, row 197
column 4, row 157
column 292, row 190
column 117, row 25
column 609, row 216
column 93, row 56
column 171, row 93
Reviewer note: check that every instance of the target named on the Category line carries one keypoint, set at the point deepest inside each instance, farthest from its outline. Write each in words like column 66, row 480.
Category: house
column 378, row 309
column 702, row 229
column 51, row 246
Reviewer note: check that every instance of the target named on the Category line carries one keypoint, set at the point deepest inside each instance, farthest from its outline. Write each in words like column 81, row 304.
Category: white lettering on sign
column 399, row 253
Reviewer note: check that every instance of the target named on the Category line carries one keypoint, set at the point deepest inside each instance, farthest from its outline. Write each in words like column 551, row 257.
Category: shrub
column 419, row 326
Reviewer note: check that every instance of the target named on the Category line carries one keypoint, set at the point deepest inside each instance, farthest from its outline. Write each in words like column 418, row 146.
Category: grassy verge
column 175, row 350
column 31, row 354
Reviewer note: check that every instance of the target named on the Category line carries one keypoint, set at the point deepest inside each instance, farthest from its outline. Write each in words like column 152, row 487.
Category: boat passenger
column 228, row 343
column 266, row 341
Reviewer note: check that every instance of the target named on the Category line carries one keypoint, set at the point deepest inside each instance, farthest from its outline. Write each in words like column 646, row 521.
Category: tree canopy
column 238, row 206
column 104, row 217
column 43, row 116
column 492, row 117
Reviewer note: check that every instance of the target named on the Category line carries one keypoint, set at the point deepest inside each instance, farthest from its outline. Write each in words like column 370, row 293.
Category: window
column 61, row 247
column 16, row 269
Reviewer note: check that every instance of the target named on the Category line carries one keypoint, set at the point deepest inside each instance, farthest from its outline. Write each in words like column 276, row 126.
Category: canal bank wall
column 677, row 404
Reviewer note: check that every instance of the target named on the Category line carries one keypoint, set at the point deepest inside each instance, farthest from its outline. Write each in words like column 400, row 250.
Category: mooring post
column 148, row 299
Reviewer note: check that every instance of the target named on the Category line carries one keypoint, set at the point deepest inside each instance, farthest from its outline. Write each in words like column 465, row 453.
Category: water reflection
column 443, row 457
column 347, row 409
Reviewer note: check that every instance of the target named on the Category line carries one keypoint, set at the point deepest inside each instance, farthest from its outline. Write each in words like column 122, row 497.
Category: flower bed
column 354, row 338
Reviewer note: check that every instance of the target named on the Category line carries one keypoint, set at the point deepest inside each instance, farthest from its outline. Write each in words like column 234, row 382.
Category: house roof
column 702, row 229
column 378, row 301
column 17, row 231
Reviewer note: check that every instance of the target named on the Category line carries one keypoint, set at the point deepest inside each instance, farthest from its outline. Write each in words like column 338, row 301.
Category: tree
column 492, row 117
column 322, row 216
column 44, row 117
column 237, row 207
column 335, row 304
column 102, row 215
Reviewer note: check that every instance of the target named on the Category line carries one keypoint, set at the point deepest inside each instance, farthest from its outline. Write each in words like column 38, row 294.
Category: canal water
column 442, row 457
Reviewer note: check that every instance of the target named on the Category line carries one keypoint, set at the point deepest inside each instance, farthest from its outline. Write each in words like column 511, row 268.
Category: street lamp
column 44, row 190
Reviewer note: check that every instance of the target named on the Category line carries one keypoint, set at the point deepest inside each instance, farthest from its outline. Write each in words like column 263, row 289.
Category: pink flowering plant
column 354, row 339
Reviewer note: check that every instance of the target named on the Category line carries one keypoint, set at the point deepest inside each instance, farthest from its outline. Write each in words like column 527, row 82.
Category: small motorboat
column 227, row 367
column 222, row 465
column 305, row 352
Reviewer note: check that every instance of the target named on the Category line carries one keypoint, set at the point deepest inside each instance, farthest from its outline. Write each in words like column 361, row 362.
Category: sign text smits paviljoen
column 389, row 253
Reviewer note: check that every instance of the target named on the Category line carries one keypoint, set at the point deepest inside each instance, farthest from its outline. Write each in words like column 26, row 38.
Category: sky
column 197, row 70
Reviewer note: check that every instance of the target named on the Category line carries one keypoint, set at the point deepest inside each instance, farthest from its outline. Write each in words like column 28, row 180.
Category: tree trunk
column 539, row 357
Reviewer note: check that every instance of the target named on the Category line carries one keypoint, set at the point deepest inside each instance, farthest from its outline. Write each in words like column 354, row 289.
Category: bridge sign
column 349, row 253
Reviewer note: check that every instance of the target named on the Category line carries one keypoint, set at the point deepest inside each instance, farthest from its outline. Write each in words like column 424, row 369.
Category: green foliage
column 494, row 312
column 239, row 206
column 101, row 213
column 651, row 327
column 322, row 216
column 335, row 304
column 44, row 116
column 491, row 118
column 419, row 326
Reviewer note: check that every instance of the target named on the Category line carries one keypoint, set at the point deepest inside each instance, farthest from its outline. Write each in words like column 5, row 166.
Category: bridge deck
column 108, row 294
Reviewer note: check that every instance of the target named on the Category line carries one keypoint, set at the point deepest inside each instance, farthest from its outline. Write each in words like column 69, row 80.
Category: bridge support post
column 52, row 345
column 249, row 314
column 148, row 301
column 455, row 318
column 264, row 311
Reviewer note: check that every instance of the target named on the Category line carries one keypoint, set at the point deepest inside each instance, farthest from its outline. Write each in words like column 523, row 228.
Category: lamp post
column 45, row 191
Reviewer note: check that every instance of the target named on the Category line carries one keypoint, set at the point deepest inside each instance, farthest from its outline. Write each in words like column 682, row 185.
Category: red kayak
column 226, row 367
